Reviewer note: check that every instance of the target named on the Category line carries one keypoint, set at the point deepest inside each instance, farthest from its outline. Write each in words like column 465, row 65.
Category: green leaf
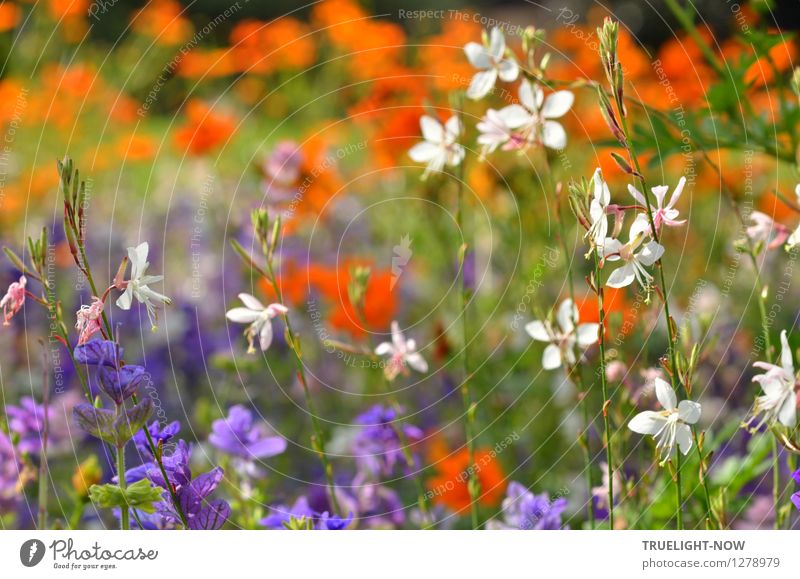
column 140, row 495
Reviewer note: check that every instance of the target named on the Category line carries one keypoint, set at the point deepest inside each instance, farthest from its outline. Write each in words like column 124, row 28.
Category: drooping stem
column 604, row 388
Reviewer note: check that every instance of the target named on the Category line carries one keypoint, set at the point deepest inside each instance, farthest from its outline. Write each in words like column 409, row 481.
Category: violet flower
column 9, row 474
column 378, row 447
column 796, row 496
column 280, row 514
column 522, row 510
column 27, row 422
column 238, row 436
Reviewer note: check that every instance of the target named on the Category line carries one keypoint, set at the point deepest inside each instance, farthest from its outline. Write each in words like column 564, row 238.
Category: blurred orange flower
column 449, row 486
column 204, row 128
column 265, row 47
column 9, row 16
column 163, row 21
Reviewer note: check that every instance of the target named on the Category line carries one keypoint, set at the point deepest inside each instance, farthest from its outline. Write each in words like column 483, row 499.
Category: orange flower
column 204, row 129
column 207, row 64
column 163, row 21
column 265, row 47
column 9, row 16
column 67, row 8
column 449, row 486
column 781, row 56
column 380, row 304
column 442, row 55
column 136, row 147
column 341, row 20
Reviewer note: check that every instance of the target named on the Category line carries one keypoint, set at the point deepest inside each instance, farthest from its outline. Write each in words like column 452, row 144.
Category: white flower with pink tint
column 260, row 319
column 563, row 336
column 670, row 426
column 763, row 229
column 139, row 285
column 490, row 59
column 662, row 214
column 440, row 146
column 402, row 353
column 794, row 238
column 534, row 117
column 635, row 255
column 88, row 320
column 14, row 299
column 779, row 383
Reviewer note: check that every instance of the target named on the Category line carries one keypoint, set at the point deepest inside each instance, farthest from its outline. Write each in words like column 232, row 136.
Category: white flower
column 401, row 353
column 562, row 336
column 534, row 117
column 260, row 319
column 138, row 286
column 440, row 146
column 779, row 402
column 491, row 61
column 794, row 238
column 598, row 229
column 671, row 425
column 494, row 130
column 662, row 214
column 635, row 254
column 765, row 230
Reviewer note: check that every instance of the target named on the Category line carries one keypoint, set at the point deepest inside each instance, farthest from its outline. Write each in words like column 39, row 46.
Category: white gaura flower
column 635, row 255
column 662, row 214
column 669, row 426
column 779, row 402
column 794, row 238
column 562, row 336
column 534, row 117
column 260, row 319
column 402, row 353
column 598, row 229
column 490, row 59
column 494, row 131
column 139, row 285
column 440, row 146
column 763, row 229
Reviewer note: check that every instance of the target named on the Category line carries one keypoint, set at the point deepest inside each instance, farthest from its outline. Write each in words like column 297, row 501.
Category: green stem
column 604, row 389
column 125, row 524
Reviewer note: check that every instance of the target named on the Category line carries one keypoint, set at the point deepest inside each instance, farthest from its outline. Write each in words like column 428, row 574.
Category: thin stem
column 125, row 523
column 473, row 485
column 606, row 401
column 43, row 466
column 318, row 439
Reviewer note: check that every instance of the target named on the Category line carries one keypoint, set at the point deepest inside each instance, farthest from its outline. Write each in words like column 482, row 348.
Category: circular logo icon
column 31, row 553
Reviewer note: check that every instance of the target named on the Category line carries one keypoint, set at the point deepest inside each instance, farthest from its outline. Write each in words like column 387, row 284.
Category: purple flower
column 99, row 353
column 378, row 447
column 525, row 511
column 328, row 522
column 236, row 435
column 280, row 514
column 283, row 165
column 120, row 384
column 192, row 493
column 159, row 436
column 27, row 421
column 796, row 496
column 10, row 469
column 375, row 506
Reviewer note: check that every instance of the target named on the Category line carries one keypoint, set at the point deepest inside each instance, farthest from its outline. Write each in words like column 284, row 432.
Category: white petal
column 452, row 128
column 622, row 276
column 477, row 55
column 455, row 155
column 659, row 192
column 554, row 136
column 508, row 70
column 683, row 436
column 786, row 354
column 416, row 361
column 650, row 254
column 677, row 193
column 526, row 96
column 788, row 412
column 251, row 302
column 124, row 301
column 514, row 116
column 242, row 315
column 557, row 104
column 384, row 348
column 265, row 337
column 551, row 358
column 637, row 195
column 482, row 83
column 689, row 411
column 647, row 422
column 432, row 129
column 665, row 394
column 538, row 331
column 497, row 43
column 588, row 334
column 566, row 316
column 424, row 152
